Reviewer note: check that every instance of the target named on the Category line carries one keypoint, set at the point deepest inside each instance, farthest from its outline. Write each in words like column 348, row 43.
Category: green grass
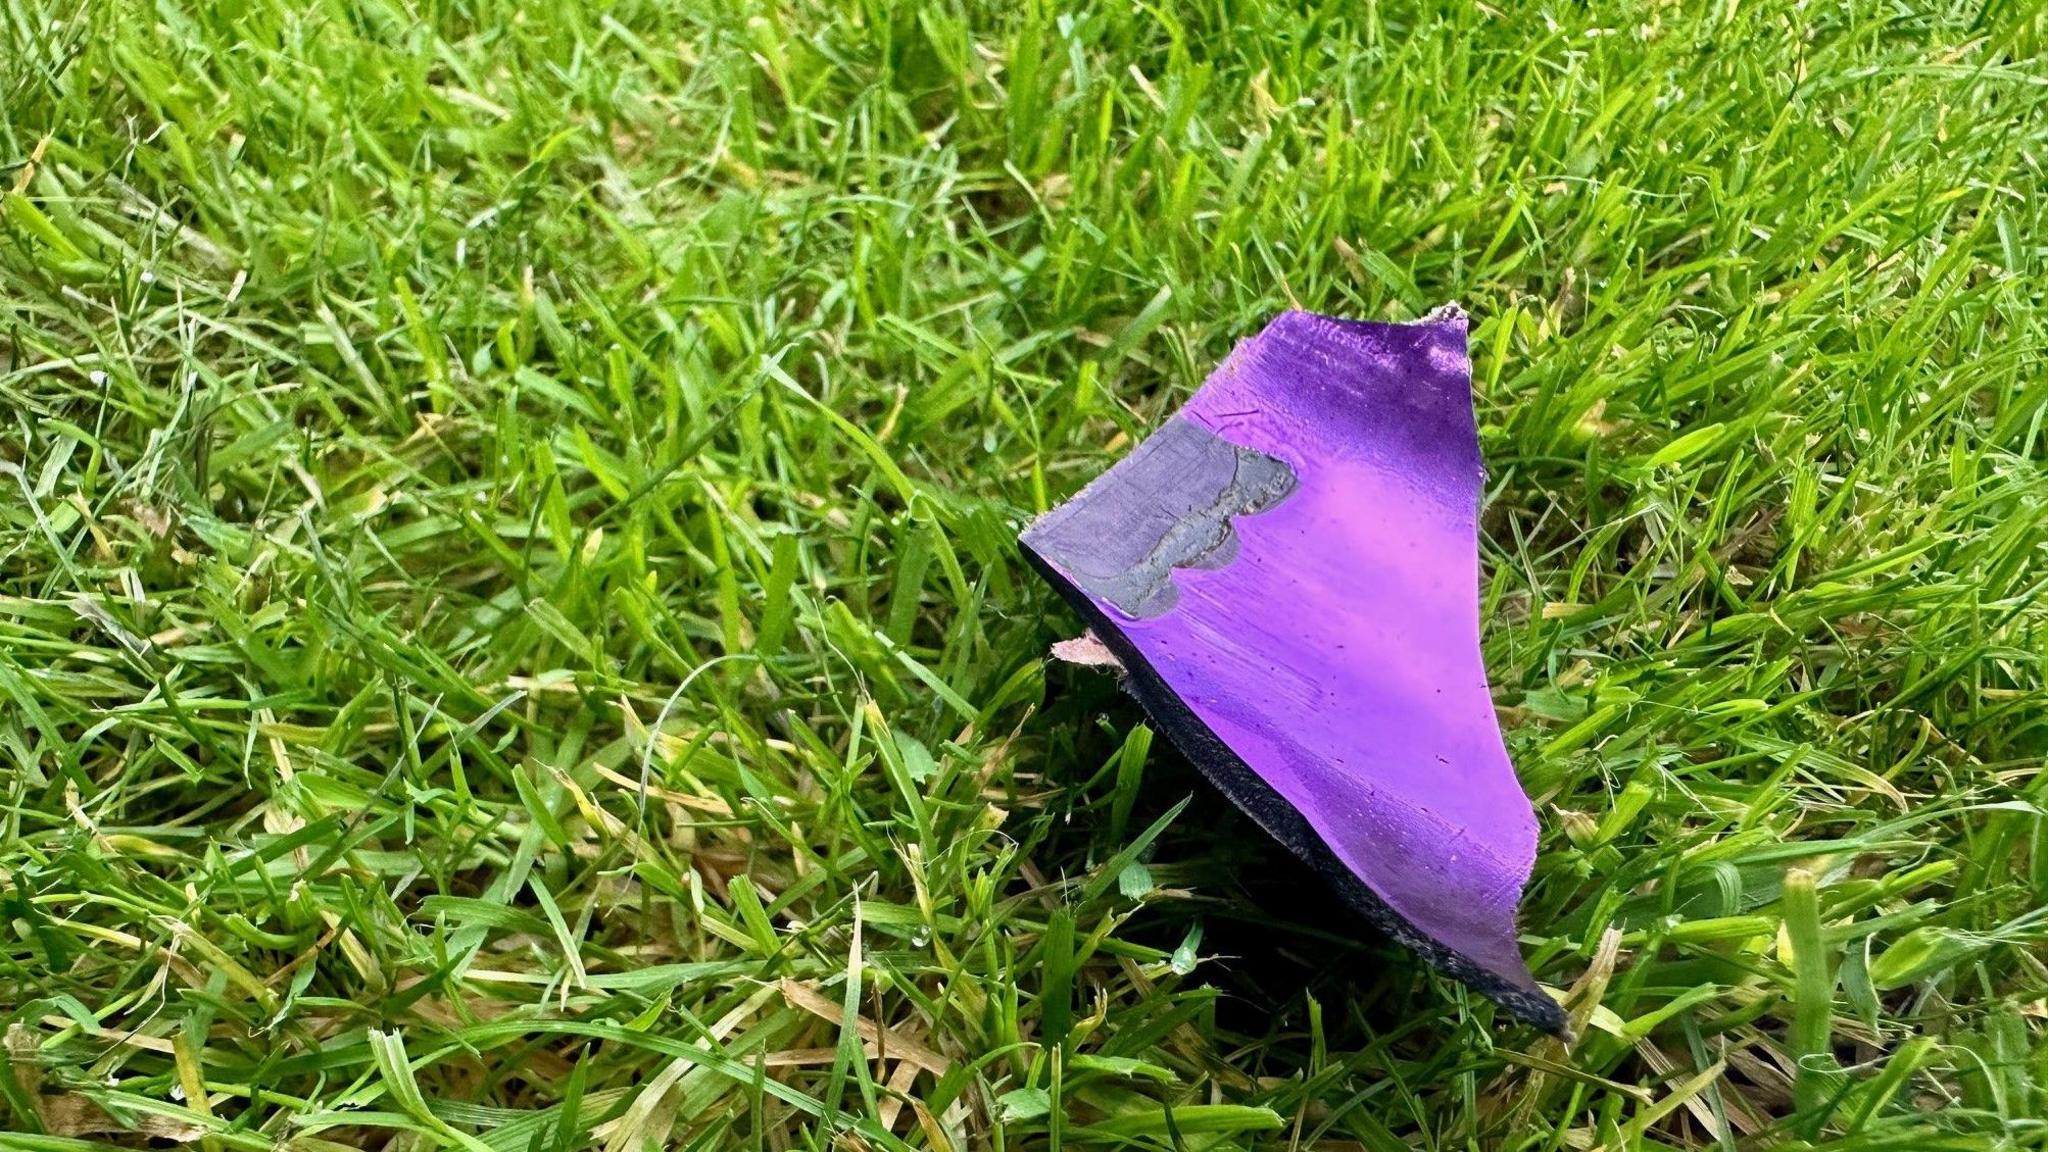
column 511, row 636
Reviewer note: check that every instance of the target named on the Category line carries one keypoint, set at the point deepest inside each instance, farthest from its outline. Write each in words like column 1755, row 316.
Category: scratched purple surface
column 1337, row 654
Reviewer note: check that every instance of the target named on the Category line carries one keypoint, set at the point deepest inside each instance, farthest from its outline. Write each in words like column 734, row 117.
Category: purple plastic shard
column 1288, row 572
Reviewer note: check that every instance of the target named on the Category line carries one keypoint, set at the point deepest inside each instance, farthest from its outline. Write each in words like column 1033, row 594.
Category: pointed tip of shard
column 1287, row 571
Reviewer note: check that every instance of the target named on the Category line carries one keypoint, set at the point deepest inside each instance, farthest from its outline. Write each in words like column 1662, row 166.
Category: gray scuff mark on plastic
column 1183, row 486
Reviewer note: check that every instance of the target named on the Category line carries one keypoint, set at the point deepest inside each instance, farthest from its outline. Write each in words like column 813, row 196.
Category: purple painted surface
column 1335, row 649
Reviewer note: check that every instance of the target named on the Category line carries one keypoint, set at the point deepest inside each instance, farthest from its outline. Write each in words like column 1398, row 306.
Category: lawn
column 512, row 636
